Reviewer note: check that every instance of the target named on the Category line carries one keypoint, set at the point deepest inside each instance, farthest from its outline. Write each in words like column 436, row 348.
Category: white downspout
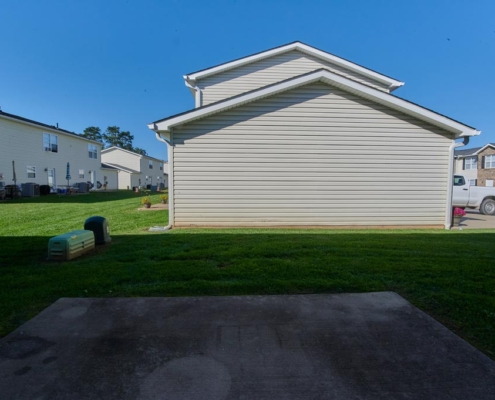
column 170, row 185
column 448, row 210
column 197, row 93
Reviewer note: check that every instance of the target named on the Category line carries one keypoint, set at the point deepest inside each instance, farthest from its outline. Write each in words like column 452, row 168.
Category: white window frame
column 31, row 171
column 161, row 166
column 50, row 142
column 472, row 182
column 81, row 174
column 491, row 163
column 150, row 164
column 93, row 151
column 471, row 163
column 489, row 183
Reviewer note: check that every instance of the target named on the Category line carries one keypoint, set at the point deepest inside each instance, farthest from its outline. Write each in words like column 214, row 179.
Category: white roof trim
column 130, row 152
column 120, row 168
column 390, row 82
column 484, row 147
column 460, row 130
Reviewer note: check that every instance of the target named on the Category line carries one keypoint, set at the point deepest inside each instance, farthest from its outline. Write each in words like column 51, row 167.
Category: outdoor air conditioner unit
column 70, row 245
column 30, row 189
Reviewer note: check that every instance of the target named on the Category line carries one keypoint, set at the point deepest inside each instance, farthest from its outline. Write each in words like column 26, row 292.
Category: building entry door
column 51, row 178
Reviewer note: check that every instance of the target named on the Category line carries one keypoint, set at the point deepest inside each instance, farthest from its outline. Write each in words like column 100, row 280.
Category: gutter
column 448, row 210
column 170, row 186
column 190, row 83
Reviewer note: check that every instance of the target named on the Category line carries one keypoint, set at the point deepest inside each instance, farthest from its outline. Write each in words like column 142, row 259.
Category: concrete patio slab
column 475, row 220
column 346, row 346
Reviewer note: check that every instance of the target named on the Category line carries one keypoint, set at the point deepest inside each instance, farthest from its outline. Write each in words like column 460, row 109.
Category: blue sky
column 106, row 62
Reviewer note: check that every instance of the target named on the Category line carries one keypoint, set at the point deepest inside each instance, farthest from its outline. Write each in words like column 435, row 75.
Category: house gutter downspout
column 197, row 91
column 170, row 185
column 448, row 210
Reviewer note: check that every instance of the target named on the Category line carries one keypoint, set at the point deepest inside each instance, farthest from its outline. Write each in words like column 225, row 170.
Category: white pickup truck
column 468, row 196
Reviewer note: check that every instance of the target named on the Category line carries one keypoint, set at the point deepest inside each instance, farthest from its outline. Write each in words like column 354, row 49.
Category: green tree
column 93, row 133
column 114, row 137
column 140, row 151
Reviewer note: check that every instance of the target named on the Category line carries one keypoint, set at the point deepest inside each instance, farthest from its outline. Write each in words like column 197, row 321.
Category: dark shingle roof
column 39, row 123
column 469, row 152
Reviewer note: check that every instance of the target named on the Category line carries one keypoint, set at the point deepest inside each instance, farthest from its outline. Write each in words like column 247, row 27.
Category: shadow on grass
column 85, row 198
column 449, row 275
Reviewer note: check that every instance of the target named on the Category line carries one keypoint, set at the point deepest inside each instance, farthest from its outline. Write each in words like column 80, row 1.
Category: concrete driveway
column 348, row 346
column 475, row 220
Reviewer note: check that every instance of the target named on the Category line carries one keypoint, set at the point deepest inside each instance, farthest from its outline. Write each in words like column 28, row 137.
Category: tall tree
column 93, row 133
column 114, row 137
column 140, row 151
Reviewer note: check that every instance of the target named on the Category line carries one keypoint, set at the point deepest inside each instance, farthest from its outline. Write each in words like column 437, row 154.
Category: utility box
column 83, row 187
column 70, row 245
column 30, row 190
column 99, row 225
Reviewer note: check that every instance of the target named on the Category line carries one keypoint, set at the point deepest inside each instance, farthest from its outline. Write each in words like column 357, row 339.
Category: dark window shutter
column 483, row 162
column 463, row 164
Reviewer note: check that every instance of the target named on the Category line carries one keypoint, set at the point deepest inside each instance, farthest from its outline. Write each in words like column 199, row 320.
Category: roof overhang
column 391, row 83
column 484, row 147
column 323, row 75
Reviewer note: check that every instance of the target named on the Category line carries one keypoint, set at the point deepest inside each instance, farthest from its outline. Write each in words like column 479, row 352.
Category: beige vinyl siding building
column 315, row 155
column 267, row 71
column 281, row 141
column 135, row 170
column 41, row 153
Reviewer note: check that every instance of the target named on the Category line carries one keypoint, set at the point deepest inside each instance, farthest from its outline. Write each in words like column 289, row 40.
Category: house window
column 50, row 142
column 92, row 151
column 150, row 164
column 161, row 166
column 490, row 161
column 81, row 173
column 471, row 163
column 31, row 172
column 489, row 182
column 472, row 182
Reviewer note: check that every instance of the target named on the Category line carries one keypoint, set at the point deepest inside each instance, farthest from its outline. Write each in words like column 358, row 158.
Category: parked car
column 465, row 195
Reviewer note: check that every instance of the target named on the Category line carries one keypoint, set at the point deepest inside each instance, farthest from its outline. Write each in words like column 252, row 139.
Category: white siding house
column 41, row 153
column 324, row 148
column 135, row 170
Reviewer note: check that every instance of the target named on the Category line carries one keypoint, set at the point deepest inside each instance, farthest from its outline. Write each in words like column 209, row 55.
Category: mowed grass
column 449, row 275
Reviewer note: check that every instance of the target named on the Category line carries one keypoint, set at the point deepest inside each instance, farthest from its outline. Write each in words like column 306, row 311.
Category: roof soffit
column 348, row 85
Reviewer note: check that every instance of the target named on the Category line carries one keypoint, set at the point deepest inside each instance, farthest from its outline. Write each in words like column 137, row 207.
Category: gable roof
column 131, row 152
column 47, row 127
column 325, row 76
column 392, row 83
column 474, row 151
column 120, row 167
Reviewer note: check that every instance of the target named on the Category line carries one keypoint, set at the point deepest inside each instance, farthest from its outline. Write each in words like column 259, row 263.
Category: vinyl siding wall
column 24, row 144
column 311, row 156
column 265, row 72
column 112, row 178
column 123, row 158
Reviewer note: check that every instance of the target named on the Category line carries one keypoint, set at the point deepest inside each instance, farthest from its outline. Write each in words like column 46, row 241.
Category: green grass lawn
column 449, row 275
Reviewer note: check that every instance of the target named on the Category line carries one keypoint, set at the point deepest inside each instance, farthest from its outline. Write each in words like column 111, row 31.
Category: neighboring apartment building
column 41, row 153
column 477, row 164
column 136, row 170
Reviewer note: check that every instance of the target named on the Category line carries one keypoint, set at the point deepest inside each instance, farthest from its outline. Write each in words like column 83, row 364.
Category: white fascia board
column 484, row 147
column 375, row 95
column 120, row 149
column 120, row 168
column 392, row 83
